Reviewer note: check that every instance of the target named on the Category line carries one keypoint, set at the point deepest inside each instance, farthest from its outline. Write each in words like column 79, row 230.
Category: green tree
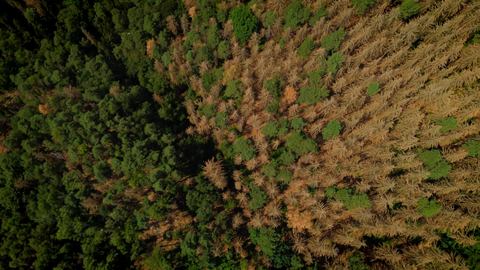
column 448, row 123
column 332, row 129
column 306, row 48
column 428, row 208
column 373, row 88
column 435, row 164
column 244, row 22
column 362, row 6
column 332, row 42
column 223, row 50
column 473, row 148
column 295, row 14
column 409, row 8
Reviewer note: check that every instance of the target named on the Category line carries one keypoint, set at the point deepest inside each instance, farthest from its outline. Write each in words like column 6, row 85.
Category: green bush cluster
column 362, row 6
column 447, row 123
column 351, row 200
column 296, row 14
column 428, row 208
column 244, row 23
column 473, row 148
column 332, row 130
column 312, row 94
column 409, row 8
column 373, row 88
column 435, row 164
column 332, row 42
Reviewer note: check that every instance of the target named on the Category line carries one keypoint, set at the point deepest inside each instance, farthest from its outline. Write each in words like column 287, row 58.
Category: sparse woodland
column 336, row 134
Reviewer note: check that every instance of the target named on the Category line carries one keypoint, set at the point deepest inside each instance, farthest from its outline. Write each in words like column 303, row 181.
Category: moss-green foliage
column 243, row 148
column 428, row 208
column 284, row 176
column 234, row 90
column 222, row 120
column 306, row 48
column 274, row 87
column 166, row 59
column 435, row 164
column 273, row 107
column 213, row 39
column 244, row 22
column 102, row 170
column 334, row 62
column 373, row 88
column 283, row 128
column 355, row 261
column 351, row 200
column 258, row 197
column 204, row 54
column 270, row 129
column 362, row 6
column 211, row 77
column 223, row 50
column 409, row 8
column 448, row 123
column 473, row 148
column 319, row 13
column 298, row 144
column 269, row 169
column 270, row 18
column 192, row 38
column 266, row 238
column 209, row 110
column 297, row 123
column 332, row 42
column 332, row 129
column 296, row 14
column 286, row 158
column 312, row 94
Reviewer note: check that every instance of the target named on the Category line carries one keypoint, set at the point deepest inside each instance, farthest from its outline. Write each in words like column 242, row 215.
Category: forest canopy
column 219, row 134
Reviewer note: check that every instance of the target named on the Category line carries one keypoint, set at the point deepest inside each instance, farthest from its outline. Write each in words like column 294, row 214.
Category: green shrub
column 258, row 197
column 284, row 176
column 473, row 148
column 373, row 88
column 448, row 123
column 209, row 110
column 297, row 123
column 435, row 164
column 244, row 23
column 223, row 50
column 428, row 208
column 243, row 148
column 270, row 129
column 222, row 120
column 409, row 8
column 295, row 14
column 334, row 62
column 351, row 200
column 306, row 48
column 234, row 90
column 312, row 94
column 362, row 6
column 297, row 143
column 332, row 42
column 273, row 107
column 212, row 36
column 270, row 19
column 332, row 129
column 320, row 13
column 274, row 87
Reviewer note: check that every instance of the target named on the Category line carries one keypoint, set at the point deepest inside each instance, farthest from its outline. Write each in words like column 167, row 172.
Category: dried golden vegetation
column 384, row 152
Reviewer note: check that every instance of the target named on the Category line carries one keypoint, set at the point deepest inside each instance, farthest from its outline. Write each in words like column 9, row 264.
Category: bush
column 222, row 120
column 334, row 62
column 297, row 123
column 244, row 23
column 243, row 148
column 295, row 14
column 270, row 19
column 274, row 87
column 223, row 50
column 332, row 42
column 306, row 48
column 332, row 129
column 373, row 88
column 320, row 13
column 473, row 148
column 361, row 6
column 270, row 129
column 448, row 123
column 428, row 208
column 435, row 164
column 409, row 8
column 312, row 94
